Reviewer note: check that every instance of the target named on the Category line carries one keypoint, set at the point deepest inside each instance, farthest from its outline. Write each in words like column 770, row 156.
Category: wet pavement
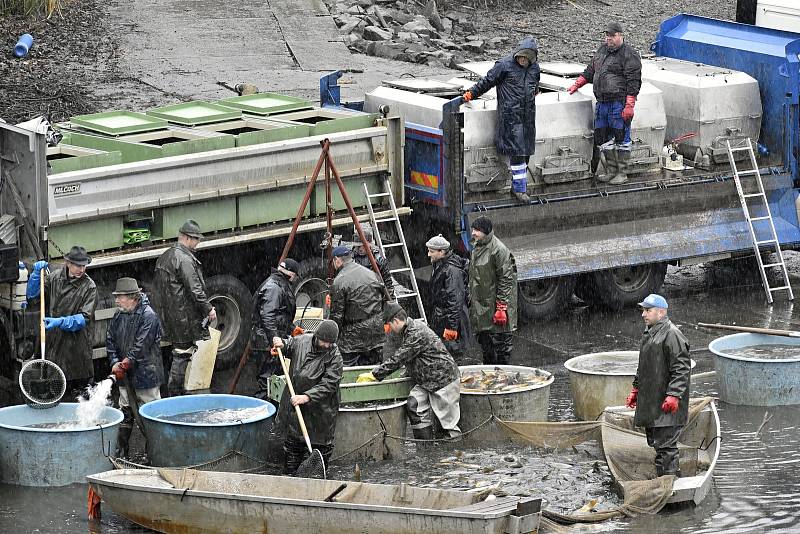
column 757, row 480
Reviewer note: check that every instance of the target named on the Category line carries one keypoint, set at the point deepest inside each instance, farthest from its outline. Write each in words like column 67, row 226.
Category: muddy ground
column 74, row 66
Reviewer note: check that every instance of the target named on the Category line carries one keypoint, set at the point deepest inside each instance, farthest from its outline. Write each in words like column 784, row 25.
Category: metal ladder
column 401, row 244
column 772, row 236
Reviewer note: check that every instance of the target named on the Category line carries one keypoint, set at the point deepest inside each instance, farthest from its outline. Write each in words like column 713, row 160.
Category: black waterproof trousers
column 664, row 439
column 496, row 347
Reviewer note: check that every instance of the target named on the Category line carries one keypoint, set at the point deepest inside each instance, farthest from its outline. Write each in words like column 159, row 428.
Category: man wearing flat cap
column 437, row 384
column 616, row 75
column 71, row 299
column 661, row 386
column 517, row 80
column 357, row 300
column 315, row 368
column 184, row 304
column 273, row 315
column 448, row 297
column 133, row 347
column 493, row 293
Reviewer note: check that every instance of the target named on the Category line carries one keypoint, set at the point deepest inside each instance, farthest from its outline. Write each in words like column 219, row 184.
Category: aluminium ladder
column 401, row 243
column 772, row 236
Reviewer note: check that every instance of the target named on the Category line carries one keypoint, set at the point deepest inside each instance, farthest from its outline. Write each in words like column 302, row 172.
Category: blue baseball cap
column 654, row 301
column 340, row 251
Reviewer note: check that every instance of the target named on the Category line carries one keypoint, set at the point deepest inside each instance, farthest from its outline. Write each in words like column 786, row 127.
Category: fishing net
column 43, row 383
column 629, row 458
column 313, row 466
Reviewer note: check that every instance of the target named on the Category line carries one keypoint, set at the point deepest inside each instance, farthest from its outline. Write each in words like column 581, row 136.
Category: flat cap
column 438, row 243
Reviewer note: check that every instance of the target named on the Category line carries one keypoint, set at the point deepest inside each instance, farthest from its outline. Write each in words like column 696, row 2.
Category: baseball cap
column 654, row 301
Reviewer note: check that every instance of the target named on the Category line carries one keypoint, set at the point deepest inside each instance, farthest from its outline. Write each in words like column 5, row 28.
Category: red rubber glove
column 627, row 111
column 450, row 335
column 630, row 402
column 298, row 331
column 328, row 300
column 387, row 329
column 500, row 315
column 580, row 82
column 670, row 404
column 468, row 96
column 120, row 368
column 274, row 351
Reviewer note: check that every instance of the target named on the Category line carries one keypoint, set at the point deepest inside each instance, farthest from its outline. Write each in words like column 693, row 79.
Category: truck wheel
column 233, row 303
column 543, row 299
column 311, row 286
column 626, row 286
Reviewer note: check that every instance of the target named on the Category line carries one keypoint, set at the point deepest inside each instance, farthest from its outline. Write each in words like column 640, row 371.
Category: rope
column 370, row 440
column 448, row 439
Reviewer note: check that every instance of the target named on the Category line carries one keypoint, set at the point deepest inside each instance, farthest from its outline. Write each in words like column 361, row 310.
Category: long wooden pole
column 752, row 329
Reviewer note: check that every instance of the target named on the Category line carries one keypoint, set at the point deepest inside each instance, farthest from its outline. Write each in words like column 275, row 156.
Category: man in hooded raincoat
column 517, row 80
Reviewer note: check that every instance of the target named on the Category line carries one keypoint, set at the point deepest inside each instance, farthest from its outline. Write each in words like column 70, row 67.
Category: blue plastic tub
column 53, row 457
column 176, row 444
column 753, row 381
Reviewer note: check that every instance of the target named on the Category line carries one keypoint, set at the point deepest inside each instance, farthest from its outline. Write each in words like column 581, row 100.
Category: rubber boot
column 124, row 435
column 522, row 197
column 611, row 166
column 622, row 167
column 424, row 433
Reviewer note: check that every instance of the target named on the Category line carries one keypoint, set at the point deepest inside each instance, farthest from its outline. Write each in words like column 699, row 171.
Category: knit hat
column 438, row 243
column 482, row 224
column 340, row 251
column 390, row 310
column 290, row 265
column 327, row 331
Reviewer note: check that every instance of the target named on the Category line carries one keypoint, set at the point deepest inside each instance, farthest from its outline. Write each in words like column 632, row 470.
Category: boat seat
column 496, row 505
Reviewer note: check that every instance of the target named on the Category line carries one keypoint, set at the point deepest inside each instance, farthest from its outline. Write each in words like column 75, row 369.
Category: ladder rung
column 376, row 195
column 754, row 195
column 766, row 241
column 392, row 245
column 400, row 270
column 741, row 149
column 764, row 218
column 388, row 219
column 406, row 295
column 754, row 171
column 779, row 288
column 772, row 264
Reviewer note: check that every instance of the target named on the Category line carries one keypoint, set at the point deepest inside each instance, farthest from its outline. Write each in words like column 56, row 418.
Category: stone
column 364, row 3
column 354, row 24
column 444, row 43
column 409, row 37
column 373, row 33
column 384, row 50
column 400, row 17
column 497, row 41
column 420, row 27
column 356, row 10
column 433, row 15
column 350, row 38
column 474, row 46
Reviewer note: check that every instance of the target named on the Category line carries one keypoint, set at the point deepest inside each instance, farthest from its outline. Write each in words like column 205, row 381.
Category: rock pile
column 412, row 31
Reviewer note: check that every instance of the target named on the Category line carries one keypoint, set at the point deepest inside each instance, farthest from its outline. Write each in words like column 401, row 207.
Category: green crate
column 195, row 112
column 96, row 235
column 282, row 133
column 79, row 162
column 130, row 151
column 211, row 215
column 392, row 387
column 271, row 206
column 119, row 122
column 266, row 103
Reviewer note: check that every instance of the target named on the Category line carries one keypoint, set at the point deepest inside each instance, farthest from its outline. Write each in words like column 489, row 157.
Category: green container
column 392, row 387
column 212, row 216
column 271, row 206
column 195, row 112
column 265, row 131
column 355, row 191
column 66, row 158
column 266, row 103
column 327, row 121
column 129, row 151
column 119, row 122
column 95, row 235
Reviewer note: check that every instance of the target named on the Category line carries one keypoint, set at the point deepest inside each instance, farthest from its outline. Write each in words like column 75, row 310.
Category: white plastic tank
column 12, row 295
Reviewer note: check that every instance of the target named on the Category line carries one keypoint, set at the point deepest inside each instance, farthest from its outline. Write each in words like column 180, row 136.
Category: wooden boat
column 186, row 500
column 699, row 447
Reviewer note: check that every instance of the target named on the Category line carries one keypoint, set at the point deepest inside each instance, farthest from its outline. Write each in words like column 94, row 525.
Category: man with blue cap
column 661, row 386
column 357, row 297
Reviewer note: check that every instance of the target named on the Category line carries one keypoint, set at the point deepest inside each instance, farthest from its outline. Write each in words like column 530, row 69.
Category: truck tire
column 233, row 303
column 623, row 286
column 311, row 286
column 544, row 299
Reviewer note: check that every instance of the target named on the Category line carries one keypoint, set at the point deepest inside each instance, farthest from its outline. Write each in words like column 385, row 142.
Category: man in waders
column 134, row 350
column 447, row 297
column 316, row 371
column 437, row 385
column 71, row 300
column 661, row 386
column 183, row 300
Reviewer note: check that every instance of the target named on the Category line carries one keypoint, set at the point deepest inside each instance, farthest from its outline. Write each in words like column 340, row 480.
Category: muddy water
column 767, row 352
column 216, row 415
column 757, row 479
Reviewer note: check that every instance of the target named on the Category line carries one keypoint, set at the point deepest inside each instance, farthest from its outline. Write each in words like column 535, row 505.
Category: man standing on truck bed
column 616, row 73
column 71, row 300
column 449, row 312
column 517, row 80
column 493, row 293
column 661, row 386
column 184, row 302
column 357, row 298
column 273, row 315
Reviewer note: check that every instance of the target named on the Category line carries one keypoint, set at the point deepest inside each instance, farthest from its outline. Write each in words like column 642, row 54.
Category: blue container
column 23, row 45
column 177, row 444
column 53, row 457
column 753, row 381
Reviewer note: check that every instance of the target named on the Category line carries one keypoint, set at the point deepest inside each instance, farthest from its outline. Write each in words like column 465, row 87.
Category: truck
column 120, row 184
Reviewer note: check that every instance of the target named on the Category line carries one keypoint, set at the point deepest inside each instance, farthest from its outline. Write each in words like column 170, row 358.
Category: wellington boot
column 522, row 197
column 610, row 166
column 424, row 433
column 622, row 167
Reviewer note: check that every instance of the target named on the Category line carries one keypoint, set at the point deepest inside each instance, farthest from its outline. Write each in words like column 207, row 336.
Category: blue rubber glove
column 32, row 289
column 70, row 323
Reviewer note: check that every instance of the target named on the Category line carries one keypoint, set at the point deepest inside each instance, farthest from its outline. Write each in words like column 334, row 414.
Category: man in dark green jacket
column 437, row 387
column 316, row 371
column 183, row 302
column 661, row 386
column 493, row 293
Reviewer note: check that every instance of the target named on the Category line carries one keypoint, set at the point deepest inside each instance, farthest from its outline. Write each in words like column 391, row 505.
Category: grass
column 30, row 8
